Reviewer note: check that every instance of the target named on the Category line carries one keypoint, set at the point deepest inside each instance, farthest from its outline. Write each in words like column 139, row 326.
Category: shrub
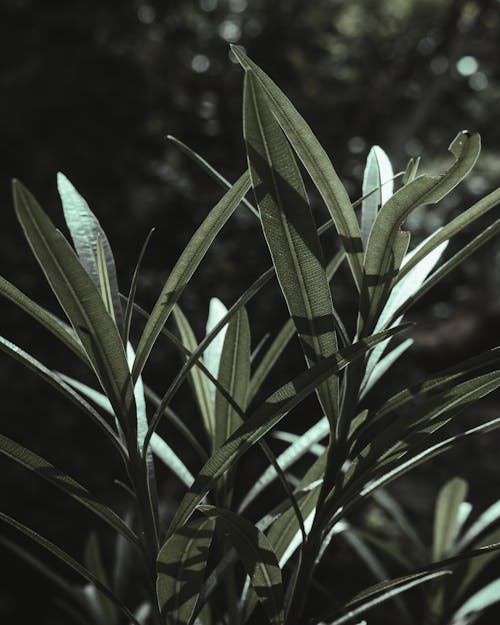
column 214, row 561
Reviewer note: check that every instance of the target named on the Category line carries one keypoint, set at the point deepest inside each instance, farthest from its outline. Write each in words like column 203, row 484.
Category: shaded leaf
column 317, row 164
column 82, row 303
column 257, row 556
column 181, row 568
column 71, row 487
column 262, row 420
column 69, row 561
column 290, row 233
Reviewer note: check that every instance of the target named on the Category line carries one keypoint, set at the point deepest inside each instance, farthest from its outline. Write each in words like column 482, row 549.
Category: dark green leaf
column 181, row 568
column 185, row 267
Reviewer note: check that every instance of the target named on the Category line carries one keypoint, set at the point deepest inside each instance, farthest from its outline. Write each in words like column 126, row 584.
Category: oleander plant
column 227, row 555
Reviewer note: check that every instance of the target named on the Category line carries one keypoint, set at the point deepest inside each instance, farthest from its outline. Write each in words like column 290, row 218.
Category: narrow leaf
column 263, row 419
column 290, row 234
column 70, row 562
column 450, row 497
column 82, row 303
column 377, row 187
column 85, row 229
column 258, row 558
column 181, row 568
column 317, row 164
column 71, row 487
column 185, row 267
column 383, row 258
column 477, row 603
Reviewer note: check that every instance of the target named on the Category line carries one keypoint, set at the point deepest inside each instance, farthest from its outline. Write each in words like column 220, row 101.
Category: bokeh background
column 93, row 89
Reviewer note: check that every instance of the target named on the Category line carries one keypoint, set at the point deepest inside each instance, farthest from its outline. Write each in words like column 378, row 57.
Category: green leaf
column 211, row 171
column 159, row 447
column 292, row 454
column 185, row 267
column 440, row 380
column 106, row 610
column 82, row 303
column 45, row 318
column 85, row 230
column 258, row 558
column 284, row 336
column 317, row 164
column 104, row 282
column 181, row 568
column 290, row 233
column 71, row 487
column 382, row 592
column 58, row 382
column 451, row 264
column 491, row 516
column 477, row 603
column 234, row 376
column 378, row 172
column 448, row 503
column 383, row 254
column 201, row 385
column 466, row 218
column 127, row 321
column 263, row 419
column 71, row 562
column 400, row 466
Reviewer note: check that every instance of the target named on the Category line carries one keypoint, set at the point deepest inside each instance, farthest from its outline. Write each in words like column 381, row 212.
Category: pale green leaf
column 212, row 354
column 377, row 188
column 85, row 230
column 387, row 241
column 477, row 603
column 448, row 502
column 292, row 454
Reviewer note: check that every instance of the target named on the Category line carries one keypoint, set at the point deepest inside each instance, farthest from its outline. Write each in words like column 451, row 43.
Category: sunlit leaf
column 448, row 502
column 378, row 172
column 85, row 230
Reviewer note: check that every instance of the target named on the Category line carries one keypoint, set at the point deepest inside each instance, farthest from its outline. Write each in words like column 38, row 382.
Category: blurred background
column 92, row 89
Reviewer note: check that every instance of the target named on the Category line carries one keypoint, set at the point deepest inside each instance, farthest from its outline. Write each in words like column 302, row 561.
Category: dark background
column 93, row 88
